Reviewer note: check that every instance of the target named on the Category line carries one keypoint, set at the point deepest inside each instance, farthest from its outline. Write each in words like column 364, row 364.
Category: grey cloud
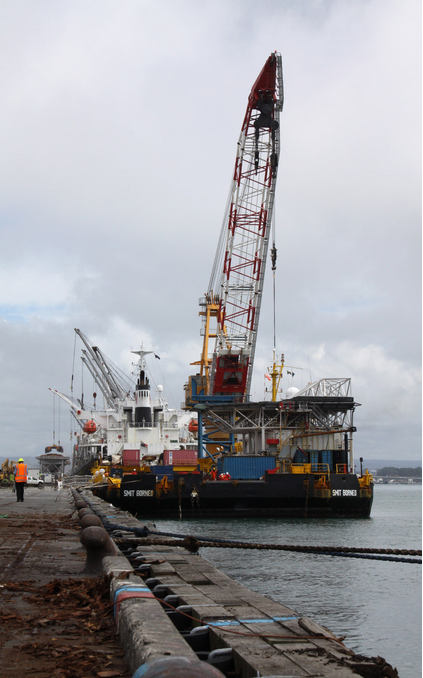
column 118, row 133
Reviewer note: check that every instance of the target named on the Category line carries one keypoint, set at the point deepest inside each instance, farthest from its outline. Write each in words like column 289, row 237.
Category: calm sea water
column 375, row 604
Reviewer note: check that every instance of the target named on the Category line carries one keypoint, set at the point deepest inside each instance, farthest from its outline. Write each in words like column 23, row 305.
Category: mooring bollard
column 90, row 521
column 98, row 545
column 177, row 667
column 85, row 512
column 76, row 496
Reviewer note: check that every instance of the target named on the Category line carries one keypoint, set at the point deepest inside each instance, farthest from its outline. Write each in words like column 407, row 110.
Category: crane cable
column 273, row 255
column 216, row 272
column 71, row 388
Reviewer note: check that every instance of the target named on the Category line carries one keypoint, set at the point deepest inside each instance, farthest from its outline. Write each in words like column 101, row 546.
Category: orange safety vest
column 21, row 474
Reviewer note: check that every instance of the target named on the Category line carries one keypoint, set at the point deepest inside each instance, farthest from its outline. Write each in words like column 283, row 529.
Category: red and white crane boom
column 241, row 257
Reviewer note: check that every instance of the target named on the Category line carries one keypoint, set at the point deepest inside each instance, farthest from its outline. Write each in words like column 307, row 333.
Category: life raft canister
column 90, row 427
column 225, row 476
column 193, row 426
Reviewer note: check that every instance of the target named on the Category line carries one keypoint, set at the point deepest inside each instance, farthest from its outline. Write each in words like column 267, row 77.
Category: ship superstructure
column 131, row 425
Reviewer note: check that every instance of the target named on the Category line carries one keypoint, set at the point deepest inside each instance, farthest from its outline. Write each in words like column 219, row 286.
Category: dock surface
column 55, row 620
column 151, row 600
column 260, row 636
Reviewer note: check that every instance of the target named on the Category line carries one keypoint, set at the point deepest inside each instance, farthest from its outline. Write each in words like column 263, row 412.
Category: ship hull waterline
column 285, row 495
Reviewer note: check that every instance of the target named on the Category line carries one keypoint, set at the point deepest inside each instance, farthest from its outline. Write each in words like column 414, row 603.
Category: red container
column 130, row 458
column 180, row 457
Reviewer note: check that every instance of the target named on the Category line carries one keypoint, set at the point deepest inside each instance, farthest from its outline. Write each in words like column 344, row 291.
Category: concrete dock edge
column 270, row 640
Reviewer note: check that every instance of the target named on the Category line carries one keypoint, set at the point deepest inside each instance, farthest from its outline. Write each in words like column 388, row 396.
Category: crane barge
column 234, row 294
column 292, row 457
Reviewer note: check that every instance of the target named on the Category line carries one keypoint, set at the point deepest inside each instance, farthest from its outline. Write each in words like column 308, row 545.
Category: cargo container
column 162, row 471
column 318, row 457
column 180, row 457
column 246, row 467
column 130, row 458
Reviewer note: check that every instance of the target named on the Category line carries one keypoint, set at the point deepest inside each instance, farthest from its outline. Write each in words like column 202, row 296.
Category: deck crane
column 231, row 307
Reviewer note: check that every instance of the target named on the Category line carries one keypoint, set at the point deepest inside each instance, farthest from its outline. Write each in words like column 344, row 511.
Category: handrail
column 342, row 468
column 312, row 468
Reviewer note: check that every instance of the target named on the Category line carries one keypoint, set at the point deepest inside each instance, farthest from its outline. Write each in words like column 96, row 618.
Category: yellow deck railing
column 319, row 469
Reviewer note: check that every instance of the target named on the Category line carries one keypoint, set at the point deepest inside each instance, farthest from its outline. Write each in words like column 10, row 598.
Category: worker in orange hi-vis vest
column 21, row 477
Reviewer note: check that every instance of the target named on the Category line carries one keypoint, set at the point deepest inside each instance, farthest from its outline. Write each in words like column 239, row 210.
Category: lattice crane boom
column 247, row 225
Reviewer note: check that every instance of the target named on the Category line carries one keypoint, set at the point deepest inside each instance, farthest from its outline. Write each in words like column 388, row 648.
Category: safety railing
column 69, row 481
column 153, row 424
column 342, row 468
column 317, row 469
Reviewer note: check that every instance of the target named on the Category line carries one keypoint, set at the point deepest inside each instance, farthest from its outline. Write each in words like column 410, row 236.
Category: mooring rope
column 195, row 543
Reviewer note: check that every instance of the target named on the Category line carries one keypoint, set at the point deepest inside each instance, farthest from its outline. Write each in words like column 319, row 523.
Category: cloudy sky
column 118, row 131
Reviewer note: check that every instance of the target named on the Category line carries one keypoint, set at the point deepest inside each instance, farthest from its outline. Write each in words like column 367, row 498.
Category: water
column 375, row 604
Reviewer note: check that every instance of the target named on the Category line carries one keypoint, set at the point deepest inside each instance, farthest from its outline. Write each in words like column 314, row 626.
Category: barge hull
column 285, row 495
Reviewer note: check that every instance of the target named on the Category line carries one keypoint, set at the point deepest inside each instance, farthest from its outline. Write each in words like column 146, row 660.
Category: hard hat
column 21, row 459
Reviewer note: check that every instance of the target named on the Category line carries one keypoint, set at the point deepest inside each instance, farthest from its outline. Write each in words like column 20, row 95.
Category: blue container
column 248, row 467
column 327, row 458
column 320, row 457
column 162, row 471
column 314, row 459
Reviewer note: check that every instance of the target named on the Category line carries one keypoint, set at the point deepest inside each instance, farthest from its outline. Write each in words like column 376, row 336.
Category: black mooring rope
column 343, row 551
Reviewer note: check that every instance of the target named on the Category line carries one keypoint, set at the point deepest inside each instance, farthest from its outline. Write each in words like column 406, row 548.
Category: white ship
column 132, row 427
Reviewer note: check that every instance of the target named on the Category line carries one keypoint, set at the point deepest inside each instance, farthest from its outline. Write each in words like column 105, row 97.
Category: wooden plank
column 219, row 594
column 244, row 611
column 235, row 637
column 171, row 580
column 209, row 612
column 161, row 569
column 192, row 576
column 267, row 631
column 310, row 626
column 266, row 605
column 193, row 598
column 314, row 664
column 255, row 657
column 333, row 648
column 252, row 663
column 292, row 626
column 218, row 578
column 176, row 558
column 179, row 588
column 292, row 645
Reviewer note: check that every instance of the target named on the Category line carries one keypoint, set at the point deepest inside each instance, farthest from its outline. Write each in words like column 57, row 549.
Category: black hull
column 284, row 495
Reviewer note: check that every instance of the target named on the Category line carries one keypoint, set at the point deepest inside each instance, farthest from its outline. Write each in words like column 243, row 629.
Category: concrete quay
column 55, row 619
column 185, row 607
column 38, row 541
column 58, row 619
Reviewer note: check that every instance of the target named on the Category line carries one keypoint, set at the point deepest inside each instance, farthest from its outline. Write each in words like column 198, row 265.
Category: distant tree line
column 400, row 472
